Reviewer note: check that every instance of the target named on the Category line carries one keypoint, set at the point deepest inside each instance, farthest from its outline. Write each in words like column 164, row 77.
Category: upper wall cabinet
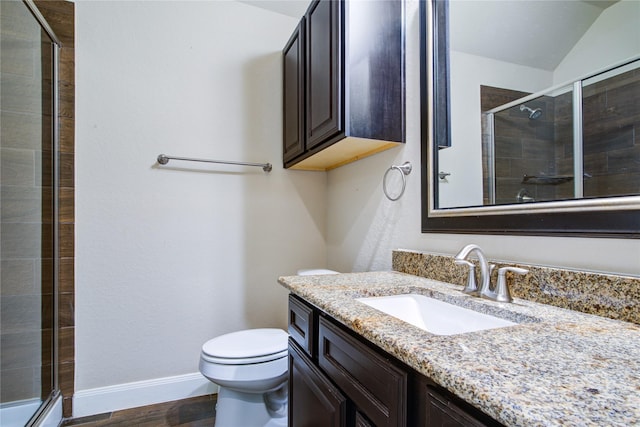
column 344, row 92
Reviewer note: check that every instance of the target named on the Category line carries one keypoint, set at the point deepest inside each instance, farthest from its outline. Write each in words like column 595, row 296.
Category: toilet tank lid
column 247, row 343
column 315, row 271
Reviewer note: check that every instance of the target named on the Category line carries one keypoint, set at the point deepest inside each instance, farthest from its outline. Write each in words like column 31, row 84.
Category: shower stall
column 28, row 204
column 572, row 141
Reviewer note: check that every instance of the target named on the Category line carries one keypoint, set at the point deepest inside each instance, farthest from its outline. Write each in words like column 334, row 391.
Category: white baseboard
column 132, row 395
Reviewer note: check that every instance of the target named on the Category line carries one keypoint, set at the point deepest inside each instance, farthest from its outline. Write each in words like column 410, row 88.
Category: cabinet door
column 377, row 387
column 313, row 400
column 442, row 411
column 324, row 71
column 293, row 99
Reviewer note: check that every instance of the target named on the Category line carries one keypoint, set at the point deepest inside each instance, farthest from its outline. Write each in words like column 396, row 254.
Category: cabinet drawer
column 377, row 387
column 302, row 325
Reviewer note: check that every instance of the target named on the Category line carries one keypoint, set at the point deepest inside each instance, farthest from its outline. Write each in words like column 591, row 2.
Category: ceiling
column 534, row 33
column 293, row 8
column 537, row 34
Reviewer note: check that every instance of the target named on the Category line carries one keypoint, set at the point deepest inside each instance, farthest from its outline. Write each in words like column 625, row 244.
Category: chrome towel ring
column 404, row 170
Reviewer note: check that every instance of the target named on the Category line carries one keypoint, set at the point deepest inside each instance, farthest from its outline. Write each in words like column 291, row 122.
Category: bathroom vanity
column 356, row 365
column 372, row 388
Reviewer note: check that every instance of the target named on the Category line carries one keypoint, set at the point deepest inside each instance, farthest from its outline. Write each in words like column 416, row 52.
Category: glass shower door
column 27, row 191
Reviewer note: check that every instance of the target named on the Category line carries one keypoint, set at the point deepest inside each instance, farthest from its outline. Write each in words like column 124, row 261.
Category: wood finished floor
column 193, row 412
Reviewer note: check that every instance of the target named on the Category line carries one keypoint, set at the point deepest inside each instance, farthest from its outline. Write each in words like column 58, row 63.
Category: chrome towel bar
column 163, row 159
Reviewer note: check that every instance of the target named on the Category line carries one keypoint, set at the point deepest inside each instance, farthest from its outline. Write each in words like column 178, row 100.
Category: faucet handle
column 471, row 286
column 502, row 293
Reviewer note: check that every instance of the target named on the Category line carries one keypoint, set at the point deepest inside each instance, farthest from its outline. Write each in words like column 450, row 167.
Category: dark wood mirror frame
column 576, row 222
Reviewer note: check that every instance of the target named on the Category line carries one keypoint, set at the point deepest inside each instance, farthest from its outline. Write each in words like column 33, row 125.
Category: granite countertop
column 556, row 367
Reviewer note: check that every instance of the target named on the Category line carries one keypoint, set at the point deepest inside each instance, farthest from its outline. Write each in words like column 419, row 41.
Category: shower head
column 533, row 114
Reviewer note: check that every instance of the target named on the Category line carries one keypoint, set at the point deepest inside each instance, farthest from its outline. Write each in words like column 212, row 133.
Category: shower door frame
column 48, row 403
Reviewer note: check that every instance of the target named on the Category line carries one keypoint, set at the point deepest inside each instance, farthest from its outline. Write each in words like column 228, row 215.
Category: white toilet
column 251, row 369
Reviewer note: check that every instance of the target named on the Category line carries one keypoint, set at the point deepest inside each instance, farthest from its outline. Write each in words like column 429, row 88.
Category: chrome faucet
column 501, row 292
column 485, row 270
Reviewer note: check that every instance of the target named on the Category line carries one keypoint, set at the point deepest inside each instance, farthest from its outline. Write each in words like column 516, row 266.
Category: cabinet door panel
column 444, row 411
column 313, row 400
column 324, row 76
column 375, row 70
column 441, row 414
column 362, row 421
column 293, row 98
column 376, row 386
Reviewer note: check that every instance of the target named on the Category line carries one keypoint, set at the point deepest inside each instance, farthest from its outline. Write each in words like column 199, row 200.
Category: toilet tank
column 315, row 271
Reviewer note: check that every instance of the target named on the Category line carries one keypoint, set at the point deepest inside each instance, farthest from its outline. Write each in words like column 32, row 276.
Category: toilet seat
column 244, row 360
column 246, row 347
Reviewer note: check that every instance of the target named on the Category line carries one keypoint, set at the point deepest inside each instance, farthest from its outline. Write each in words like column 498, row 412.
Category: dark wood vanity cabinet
column 327, row 362
column 343, row 83
column 336, row 378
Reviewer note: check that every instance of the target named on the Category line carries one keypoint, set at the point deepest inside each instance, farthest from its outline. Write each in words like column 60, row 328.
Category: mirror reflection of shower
column 536, row 146
column 533, row 114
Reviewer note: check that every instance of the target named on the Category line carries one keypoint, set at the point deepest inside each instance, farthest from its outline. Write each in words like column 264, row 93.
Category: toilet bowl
column 250, row 368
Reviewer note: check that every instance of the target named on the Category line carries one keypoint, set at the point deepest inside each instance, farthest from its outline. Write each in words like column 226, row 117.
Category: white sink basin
column 434, row 316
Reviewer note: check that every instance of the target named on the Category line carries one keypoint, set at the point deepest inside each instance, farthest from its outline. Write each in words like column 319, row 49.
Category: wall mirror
column 531, row 117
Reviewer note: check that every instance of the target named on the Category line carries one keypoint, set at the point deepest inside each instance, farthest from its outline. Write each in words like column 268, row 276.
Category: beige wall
column 169, row 257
